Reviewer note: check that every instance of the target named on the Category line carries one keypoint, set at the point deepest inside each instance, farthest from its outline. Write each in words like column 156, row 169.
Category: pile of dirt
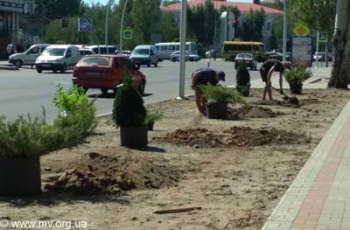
column 291, row 102
column 246, row 136
column 250, row 112
column 234, row 136
column 105, row 174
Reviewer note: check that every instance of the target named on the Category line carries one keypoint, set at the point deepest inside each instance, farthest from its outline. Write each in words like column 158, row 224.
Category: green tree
column 201, row 23
column 251, row 27
column 272, row 42
column 144, row 18
column 169, row 30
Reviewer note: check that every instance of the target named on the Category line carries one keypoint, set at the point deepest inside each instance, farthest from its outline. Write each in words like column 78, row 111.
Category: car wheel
column 173, row 59
column 142, row 87
column 191, row 59
column 232, row 58
column 156, row 64
column 39, row 70
column 18, row 63
column 54, row 70
column 148, row 64
column 104, row 91
column 64, row 68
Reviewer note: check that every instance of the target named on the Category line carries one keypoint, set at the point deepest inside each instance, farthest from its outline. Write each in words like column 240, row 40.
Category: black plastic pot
column 216, row 110
column 20, row 176
column 244, row 91
column 150, row 126
column 296, row 88
column 134, row 137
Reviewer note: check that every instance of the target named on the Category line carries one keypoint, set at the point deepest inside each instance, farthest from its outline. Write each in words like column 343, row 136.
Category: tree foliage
column 317, row 14
column 272, row 42
column 251, row 27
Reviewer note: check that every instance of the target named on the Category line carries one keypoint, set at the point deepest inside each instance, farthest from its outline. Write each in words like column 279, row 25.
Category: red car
column 106, row 72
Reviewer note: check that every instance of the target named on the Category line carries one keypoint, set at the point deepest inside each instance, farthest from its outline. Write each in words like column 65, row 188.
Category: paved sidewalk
column 319, row 198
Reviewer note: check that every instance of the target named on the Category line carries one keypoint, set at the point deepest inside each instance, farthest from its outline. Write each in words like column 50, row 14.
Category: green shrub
column 27, row 137
column 218, row 94
column 297, row 75
column 128, row 108
column 242, row 75
column 153, row 116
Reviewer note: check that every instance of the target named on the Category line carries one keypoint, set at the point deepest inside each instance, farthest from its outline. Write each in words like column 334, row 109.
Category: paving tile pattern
column 319, row 197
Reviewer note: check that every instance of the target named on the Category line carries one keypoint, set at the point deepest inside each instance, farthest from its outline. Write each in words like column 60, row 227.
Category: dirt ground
column 232, row 172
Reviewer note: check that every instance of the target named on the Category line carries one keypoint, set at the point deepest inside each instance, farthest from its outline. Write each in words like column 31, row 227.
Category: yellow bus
column 232, row 48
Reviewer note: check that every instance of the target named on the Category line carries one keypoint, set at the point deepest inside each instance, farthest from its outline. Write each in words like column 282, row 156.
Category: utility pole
column 284, row 31
column 182, row 49
column 109, row 4
column 121, row 27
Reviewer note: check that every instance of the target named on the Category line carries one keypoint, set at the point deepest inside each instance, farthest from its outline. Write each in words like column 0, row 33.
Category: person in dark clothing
column 204, row 76
column 266, row 72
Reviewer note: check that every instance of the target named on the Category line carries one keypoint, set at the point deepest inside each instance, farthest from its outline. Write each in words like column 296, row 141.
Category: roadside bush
column 243, row 80
column 153, row 117
column 297, row 75
column 128, row 108
column 27, row 137
column 218, row 94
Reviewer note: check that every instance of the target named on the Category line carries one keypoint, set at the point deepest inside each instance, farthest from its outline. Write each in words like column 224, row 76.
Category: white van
column 145, row 55
column 102, row 49
column 58, row 57
column 28, row 57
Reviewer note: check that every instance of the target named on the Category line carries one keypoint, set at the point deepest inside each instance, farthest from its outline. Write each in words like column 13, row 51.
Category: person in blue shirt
column 204, row 76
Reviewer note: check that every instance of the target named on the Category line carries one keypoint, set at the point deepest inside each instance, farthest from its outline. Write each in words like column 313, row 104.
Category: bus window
column 177, row 47
column 163, row 48
column 187, row 47
column 171, row 48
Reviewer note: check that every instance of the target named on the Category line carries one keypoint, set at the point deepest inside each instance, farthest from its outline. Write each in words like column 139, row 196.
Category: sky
column 104, row 2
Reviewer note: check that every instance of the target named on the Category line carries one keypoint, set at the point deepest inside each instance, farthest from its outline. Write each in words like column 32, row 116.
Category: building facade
column 10, row 12
column 244, row 9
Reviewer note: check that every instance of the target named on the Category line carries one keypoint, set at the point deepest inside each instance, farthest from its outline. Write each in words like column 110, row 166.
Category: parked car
column 28, row 57
column 175, row 56
column 102, row 49
column 106, row 72
column 84, row 52
column 321, row 56
column 249, row 60
column 58, row 57
column 126, row 53
column 277, row 55
column 145, row 55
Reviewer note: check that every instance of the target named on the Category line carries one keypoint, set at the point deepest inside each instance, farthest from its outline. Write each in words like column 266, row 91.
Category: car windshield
column 94, row 61
column 54, row 52
column 249, row 56
column 141, row 51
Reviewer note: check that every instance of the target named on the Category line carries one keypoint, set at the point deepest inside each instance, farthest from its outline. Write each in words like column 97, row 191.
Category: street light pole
column 284, row 30
column 106, row 23
column 121, row 27
column 182, row 49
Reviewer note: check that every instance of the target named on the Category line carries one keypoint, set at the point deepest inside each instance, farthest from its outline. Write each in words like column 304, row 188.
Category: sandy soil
column 232, row 171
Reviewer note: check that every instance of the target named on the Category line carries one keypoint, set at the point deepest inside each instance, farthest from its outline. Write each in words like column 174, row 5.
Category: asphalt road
column 25, row 91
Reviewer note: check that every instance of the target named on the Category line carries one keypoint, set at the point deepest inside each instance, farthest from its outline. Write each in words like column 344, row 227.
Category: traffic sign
column 322, row 37
column 301, row 30
column 84, row 25
column 127, row 34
